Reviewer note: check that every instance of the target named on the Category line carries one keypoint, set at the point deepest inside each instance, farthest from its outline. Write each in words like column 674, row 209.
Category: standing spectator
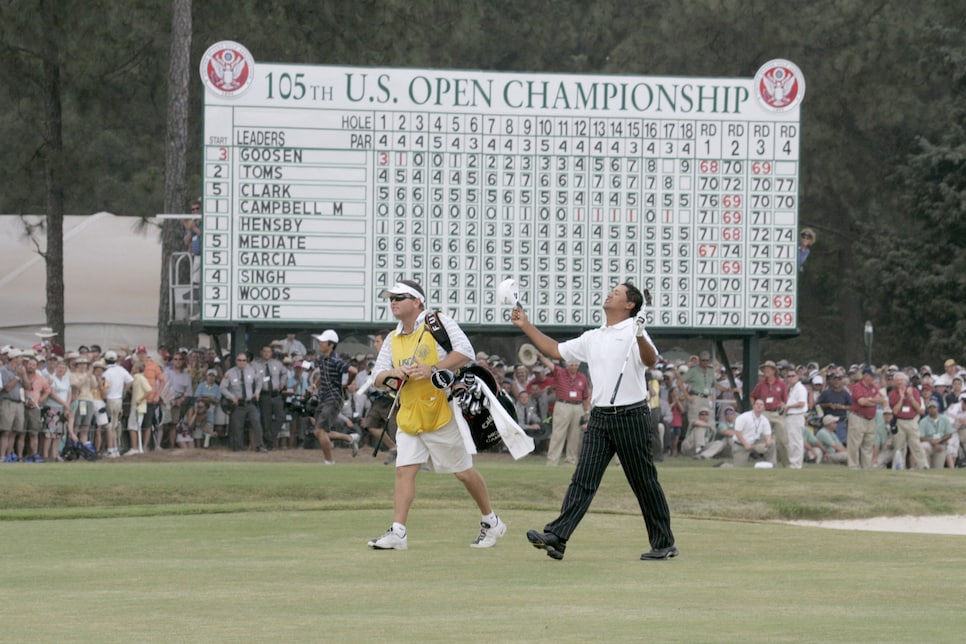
column 957, row 416
column 773, row 393
column 296, row 390
column 242, row 387
column 118, row 383
column 210, row 392
column 678, row 406
column 56, row 410
column 572, row 392
column 140, row 392
column 271, row 406
column 175, row 397
column 155, row 378
column 377, row 422
column 836, row 401
column 100, row 420
column 805, row 240
column 701, row 384
column 37, row 390
column 332, row 377
column 796, row 406
column 82, row 384
column 13, row 375
column 906, row 405
column 427, row 427
column 865, row 398
column 291, row 346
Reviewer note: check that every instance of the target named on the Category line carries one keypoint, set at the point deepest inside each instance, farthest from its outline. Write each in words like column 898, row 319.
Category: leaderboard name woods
column 618, row 355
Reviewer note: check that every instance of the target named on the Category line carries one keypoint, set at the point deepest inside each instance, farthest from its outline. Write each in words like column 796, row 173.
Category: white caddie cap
column 328, row 336
column 402, row 289
column 14, row 352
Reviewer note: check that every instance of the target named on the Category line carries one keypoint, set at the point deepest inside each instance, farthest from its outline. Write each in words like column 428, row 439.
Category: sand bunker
column 945, row 524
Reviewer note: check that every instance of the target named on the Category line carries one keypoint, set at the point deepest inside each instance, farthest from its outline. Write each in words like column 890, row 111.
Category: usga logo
column 227, row 69
column 779, row 85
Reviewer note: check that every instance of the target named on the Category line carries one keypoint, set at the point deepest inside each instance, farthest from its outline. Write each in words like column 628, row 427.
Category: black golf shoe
column 660, row 553
column 547, row 541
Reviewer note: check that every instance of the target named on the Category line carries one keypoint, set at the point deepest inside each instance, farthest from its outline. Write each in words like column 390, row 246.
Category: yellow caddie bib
column 422, row 407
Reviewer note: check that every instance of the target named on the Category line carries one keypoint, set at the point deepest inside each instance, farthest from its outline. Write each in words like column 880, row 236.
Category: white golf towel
column 516, row 440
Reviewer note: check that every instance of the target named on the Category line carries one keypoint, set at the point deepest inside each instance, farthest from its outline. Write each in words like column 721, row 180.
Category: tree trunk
column 175, row 194
column 54, row 179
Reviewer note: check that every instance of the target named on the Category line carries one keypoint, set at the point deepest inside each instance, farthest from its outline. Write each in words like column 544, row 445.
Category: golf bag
column 76, row 451
column 467, row 393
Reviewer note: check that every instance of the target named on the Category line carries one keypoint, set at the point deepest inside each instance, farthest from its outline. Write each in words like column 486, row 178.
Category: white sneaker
column 489, row 535
column 355, row 444
column 389, row 541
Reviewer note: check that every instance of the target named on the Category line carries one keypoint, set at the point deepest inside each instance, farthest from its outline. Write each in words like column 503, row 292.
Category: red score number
column 731, row 201
column 783, row 319
column 731, row 268
column 707, row 250
column 761, row 167
column 783, row 301
column 731, row 217
column 708, row 167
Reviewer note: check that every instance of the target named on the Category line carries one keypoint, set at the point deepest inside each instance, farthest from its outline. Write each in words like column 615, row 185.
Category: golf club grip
column 613, row 396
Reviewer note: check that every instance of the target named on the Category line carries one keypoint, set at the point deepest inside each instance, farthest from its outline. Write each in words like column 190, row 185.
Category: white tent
column 112, row 281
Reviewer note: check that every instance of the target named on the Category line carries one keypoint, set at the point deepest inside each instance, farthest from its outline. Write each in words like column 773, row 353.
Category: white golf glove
column 639, row 322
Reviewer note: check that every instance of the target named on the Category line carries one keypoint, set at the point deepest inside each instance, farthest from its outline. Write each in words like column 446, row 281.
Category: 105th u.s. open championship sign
column 324, row 184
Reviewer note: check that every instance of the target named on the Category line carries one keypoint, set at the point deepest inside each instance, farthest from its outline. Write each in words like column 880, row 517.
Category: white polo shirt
column 604, row 350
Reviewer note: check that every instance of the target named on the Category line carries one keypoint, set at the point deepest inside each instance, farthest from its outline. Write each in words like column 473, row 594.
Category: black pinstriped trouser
column 627, row 434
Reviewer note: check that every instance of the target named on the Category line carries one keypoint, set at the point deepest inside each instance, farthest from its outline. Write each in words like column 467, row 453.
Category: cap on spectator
column 73, row 355
column 306, row 364
column 924, row 369
column 729, row 410
column 46, row 332
column 888, row 411
column 932, row 403
column 110, row 356
column 942, row 381
column 13, row 352
column 950, row 362
column 682, row 369
column 211, row 372
column 818, row 380
column 705, row 355
column 482, row 355
column 768, row 364
column 703, row 412
column 286, row 360
column 81, row 360
column 141, row 349
column 868, row 371
column 829, row 419
column 328, row 336
column 99, row 364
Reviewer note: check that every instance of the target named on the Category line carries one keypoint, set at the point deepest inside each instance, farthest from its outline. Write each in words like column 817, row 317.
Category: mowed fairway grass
column 276, row 551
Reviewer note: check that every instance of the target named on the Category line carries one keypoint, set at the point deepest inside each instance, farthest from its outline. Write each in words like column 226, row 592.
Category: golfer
column 618, row 355
column 425, row 422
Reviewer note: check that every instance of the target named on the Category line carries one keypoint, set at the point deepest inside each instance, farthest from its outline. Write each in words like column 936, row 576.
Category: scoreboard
column 322, row 185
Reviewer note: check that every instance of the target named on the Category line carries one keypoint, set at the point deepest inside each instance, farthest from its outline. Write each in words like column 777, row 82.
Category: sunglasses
column 400, row 298
column 241, row 360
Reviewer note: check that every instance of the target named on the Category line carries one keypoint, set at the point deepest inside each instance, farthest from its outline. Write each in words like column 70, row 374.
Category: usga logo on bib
column 779, row 85
column 227, row 69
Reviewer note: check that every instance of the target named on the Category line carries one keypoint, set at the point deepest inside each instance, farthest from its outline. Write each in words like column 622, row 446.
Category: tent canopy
column 112, row 282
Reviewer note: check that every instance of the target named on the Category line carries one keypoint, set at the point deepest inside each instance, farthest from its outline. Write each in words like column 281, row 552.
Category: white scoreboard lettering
column 324, row 184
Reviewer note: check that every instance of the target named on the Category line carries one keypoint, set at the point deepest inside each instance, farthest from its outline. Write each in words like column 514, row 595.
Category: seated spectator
column 836, row 400
column 721, row 442
column 827, row 436
column 940, row 442
column 752, row 435
column 699, row 434
column 883, row 449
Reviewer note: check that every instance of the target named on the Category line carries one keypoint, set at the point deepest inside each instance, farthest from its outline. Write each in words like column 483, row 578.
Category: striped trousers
column 628, row 435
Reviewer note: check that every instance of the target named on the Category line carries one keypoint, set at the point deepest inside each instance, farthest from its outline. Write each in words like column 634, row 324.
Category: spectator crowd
column 87, row 403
